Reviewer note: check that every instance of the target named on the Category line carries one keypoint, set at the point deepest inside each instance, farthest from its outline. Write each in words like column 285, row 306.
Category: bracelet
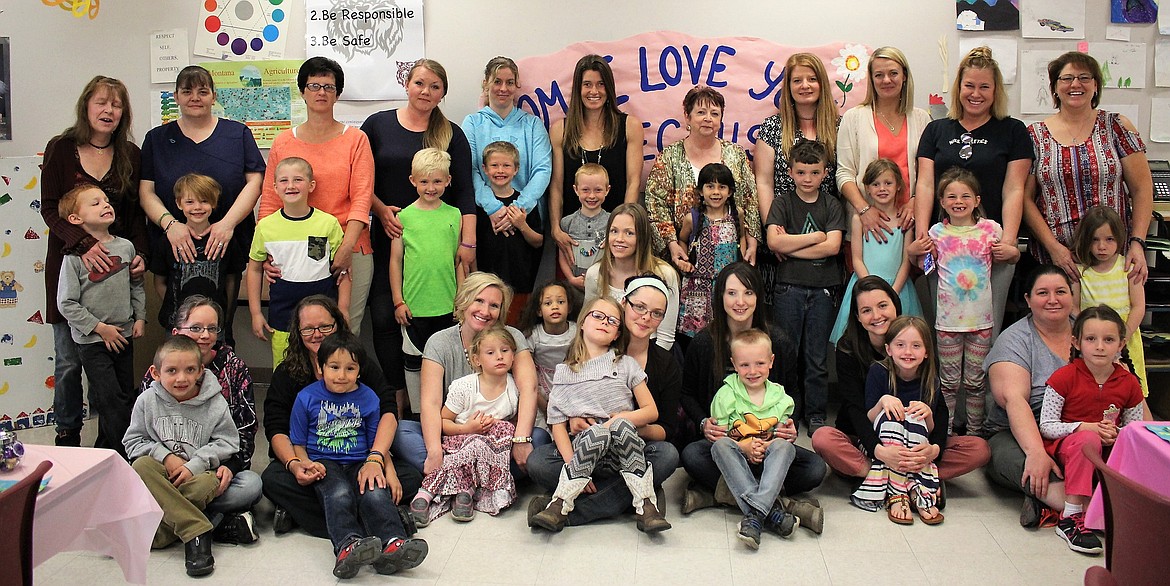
column 522, row 440
column 169, row 224
column 466, row 245
column 399, row 304
column 1140, row 241
column 372, row 462
column 863, row 210
column 288, row 465
column 372, row 452
column 160, row 218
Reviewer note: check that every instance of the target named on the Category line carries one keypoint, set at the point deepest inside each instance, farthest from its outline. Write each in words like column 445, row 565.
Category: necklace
column 1082, row 129
column 585, row 160
column 100, row 149
column 885, row 121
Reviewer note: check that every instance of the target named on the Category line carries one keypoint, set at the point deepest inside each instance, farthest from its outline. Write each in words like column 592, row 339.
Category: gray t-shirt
column 446, row 348
column 602, row 387
column 799, row 217
column 86, row 298
column 590, row 236
column 1021, row 344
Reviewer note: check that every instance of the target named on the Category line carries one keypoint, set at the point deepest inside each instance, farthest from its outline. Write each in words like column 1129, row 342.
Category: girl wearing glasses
column 978, row 135
column 343, row 167
column 599, row 383
column 1110, row 158
column 200, row 318
column 628, row 252
column 288, row 481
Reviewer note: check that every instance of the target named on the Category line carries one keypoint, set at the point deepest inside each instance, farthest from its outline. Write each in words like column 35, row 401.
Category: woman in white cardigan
column 885, row 125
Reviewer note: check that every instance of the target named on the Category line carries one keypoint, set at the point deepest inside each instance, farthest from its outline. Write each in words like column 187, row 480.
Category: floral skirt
column 475, row 463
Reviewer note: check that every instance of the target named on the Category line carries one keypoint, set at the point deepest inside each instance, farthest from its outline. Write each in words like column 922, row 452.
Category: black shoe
column 814, row 423
column 1030, row 512
column 68, row 438
column 357, row 553
column 942, row 496
column 199, row 560
column 1078, row 537
column 236, row 530
column 407, row 519
column 749, row 531
column 401, row 554
column 282, row 522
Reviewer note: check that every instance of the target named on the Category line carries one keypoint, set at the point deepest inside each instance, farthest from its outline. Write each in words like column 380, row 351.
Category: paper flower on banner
column 852, row 65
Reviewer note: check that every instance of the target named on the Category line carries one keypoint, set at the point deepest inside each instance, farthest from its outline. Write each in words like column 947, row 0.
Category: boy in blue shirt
column 332, row 426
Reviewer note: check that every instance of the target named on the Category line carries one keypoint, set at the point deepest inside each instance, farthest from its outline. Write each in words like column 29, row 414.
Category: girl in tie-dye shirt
column 962, row 246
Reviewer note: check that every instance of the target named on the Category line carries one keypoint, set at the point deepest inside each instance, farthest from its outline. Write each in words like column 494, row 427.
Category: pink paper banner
column 653, row 72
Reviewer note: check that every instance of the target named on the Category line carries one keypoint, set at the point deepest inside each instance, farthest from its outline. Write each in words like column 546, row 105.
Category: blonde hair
column 502, row 147
column 473, row 285
column 750, row 337
column 496, row 331
column 980, row 58
column 493, row 68
column 591, row 169
column 430, row 160
column 826, row 116
column 644, row 259
column 906, row 100
column 199, row 187
column 578, row 354
column 438, row 133
column 928, row 370
column 297, row 161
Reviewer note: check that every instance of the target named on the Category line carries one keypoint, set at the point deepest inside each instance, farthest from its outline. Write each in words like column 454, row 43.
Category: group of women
column 362, row 179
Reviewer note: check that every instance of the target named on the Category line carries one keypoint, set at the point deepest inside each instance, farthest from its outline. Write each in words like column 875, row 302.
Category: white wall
column 54, row 54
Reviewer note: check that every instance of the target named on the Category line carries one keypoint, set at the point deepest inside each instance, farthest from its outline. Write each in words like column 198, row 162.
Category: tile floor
column 980, row 543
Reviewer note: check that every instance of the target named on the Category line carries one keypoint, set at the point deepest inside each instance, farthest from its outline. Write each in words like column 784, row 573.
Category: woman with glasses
column 288, row 482
column 201, row 142
column 343, row 167
column 737, row 305
column 1110, row 165
column 644, row 303
column 978, row 135
column 201, row 319
column 886, row 125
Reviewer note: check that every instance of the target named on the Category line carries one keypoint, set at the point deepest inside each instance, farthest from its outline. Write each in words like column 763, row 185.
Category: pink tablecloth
column 96, row 502
column 1139, row 455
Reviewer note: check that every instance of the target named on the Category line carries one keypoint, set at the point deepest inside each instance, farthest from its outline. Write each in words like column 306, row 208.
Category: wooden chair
column 1136, row 519
column 16, row 524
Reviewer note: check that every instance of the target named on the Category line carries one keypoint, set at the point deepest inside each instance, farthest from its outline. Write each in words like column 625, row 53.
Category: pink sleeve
column 269, row 201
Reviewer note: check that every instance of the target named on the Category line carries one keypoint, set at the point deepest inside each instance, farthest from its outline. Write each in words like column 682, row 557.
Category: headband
column 640, row 282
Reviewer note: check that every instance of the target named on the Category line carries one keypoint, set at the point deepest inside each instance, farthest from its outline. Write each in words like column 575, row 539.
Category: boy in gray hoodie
column 180, row 431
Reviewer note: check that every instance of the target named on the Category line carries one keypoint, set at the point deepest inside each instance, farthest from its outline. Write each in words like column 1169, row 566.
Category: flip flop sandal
column 935, row 520
column 902, row 501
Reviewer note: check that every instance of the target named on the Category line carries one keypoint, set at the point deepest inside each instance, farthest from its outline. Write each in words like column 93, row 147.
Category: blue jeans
column 805, row 474
column 350, row 514
column 806, row 316
column 244, row 491
column 68, row 396
column 409, row 445
column 741, row 476
column 612, row 497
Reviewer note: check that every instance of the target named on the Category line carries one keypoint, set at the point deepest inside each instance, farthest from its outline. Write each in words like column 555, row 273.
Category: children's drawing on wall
column 78, row 8
column 1053, row 19
column 5, row 90
column 1133, row 11
column 852, row 65
column 987, row 15
column 1035, row 96
column 242, row 30
column 1123, row 65
column 367, row 36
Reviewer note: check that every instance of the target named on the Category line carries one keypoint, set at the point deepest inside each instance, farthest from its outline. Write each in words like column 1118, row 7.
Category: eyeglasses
column 316, row 87
column 641, row 310
column 1083, row 78
column 197, row 329
column 325, row 330
column 602, row 317
column 966, row 150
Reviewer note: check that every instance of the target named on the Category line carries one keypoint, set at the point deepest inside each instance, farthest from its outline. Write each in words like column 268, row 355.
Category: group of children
column 582, row 370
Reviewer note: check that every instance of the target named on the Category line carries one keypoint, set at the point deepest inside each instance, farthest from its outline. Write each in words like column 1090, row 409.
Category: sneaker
column 1048, row 518
column 1030, row 511
column 814, row 423
column 535, row 506
column 749, row 531
column 401, row 554
column 408, row 524
column 236, row 530
column 867, row 506
column 696, row 498
column 781, row 522
column 1078, row 537
column 464, row 508
column 357, row 553
column 68, row 438
column 420, row 511
column 282, row 521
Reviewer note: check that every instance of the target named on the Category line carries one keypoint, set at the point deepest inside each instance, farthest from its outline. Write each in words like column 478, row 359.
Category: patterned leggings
column 882, row 480
column 960, row 367
column 617, row 448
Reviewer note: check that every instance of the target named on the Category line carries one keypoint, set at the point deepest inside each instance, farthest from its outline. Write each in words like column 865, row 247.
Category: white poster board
column 26, row 342
column 375, row 42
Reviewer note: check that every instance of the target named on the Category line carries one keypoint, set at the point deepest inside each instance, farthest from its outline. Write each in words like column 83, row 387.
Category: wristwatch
column 522, row 440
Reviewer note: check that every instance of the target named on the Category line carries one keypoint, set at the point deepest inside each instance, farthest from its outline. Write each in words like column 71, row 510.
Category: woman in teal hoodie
column 500, row 119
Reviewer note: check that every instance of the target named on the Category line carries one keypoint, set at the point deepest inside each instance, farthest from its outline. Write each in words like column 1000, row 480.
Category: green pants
column 182, row 506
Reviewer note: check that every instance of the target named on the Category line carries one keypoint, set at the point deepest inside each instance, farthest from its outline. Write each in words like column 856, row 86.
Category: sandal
column 934, row 519
column 904, row 502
